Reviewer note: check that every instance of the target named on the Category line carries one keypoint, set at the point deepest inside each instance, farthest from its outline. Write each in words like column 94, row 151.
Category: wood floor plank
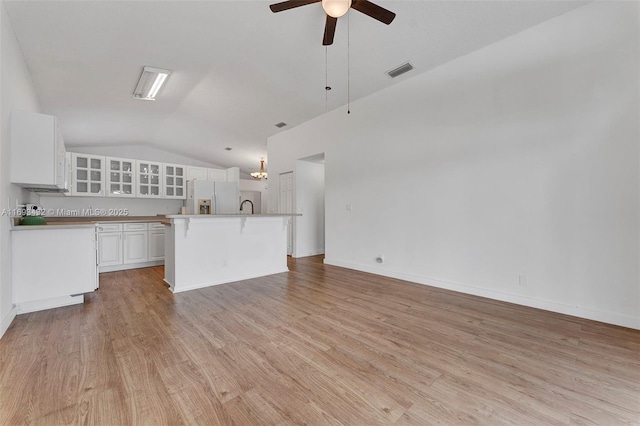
column 319, row 345
column 252, row 409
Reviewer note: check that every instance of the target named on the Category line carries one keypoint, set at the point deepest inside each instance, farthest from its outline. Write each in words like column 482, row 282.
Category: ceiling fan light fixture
column 261, row 174
column 150, row 82
column 336, row 8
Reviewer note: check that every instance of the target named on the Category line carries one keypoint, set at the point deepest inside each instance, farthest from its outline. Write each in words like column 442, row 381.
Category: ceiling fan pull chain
column 348, row 65
column 326, row 80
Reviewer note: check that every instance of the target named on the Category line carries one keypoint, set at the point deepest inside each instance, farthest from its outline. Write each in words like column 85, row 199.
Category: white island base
column 206, row 250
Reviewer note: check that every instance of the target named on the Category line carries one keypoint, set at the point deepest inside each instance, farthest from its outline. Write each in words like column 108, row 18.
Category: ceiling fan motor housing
column 336, row 8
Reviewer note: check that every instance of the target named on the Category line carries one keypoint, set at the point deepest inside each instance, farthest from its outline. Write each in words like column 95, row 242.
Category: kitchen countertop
column 212, row 216
column 48, row 227
column 60, row 222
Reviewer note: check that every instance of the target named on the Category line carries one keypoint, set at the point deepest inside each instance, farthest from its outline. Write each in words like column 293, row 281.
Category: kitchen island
column 206, row 250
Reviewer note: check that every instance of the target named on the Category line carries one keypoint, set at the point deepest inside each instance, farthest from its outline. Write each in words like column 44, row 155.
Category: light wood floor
column 318, row 345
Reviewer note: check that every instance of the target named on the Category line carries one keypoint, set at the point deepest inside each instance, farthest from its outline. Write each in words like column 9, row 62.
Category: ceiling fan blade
column 329, row 30
column 290, row 4
column 376, row 12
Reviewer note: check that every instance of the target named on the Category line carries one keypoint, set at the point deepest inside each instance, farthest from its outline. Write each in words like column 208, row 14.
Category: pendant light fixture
column 336, row 8
column 262, row 174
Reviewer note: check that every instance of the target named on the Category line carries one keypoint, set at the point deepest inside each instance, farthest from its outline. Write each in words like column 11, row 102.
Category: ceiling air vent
column 280, row 125
column 400, row 70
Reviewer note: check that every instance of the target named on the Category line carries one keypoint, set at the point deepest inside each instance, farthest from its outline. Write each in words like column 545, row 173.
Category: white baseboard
column 56, row 302
column 7, row 320
column 225, row 281
column 124, row 267
column 547, row 305
column 311, row 253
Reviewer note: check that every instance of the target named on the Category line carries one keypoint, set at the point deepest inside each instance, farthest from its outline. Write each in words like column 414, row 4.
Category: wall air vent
column 280, row 125
column 400, row 70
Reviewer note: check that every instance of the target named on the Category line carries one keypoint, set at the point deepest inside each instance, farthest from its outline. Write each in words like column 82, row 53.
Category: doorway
column 309, row 195
column 285, row 201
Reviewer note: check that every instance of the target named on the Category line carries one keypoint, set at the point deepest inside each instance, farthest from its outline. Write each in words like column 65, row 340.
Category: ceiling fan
column 337, row 8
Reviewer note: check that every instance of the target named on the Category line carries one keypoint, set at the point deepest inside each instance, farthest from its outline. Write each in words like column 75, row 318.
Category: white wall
column 521, row 158
column 253, row 185
column 309, row 201
column 16, row 92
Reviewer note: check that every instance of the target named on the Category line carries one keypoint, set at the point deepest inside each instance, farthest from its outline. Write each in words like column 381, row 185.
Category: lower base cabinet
column 130, row 245
column 156, row 241
column 52, row 266
column 109, row 248
column 135, row 243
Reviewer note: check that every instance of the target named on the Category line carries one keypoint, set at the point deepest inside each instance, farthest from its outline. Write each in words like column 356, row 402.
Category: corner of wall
column 18, row 92
column 7, row 320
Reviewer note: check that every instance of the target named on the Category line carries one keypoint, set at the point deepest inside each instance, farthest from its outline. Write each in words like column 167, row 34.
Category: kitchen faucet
column 247, row 201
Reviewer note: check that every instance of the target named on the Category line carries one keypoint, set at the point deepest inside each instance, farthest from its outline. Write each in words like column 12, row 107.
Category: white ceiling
column 238, row 69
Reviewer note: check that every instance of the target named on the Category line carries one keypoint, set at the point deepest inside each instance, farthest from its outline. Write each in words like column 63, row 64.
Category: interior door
column 285, row 201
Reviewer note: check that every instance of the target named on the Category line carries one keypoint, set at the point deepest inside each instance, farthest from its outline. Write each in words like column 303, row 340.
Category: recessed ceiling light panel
column 150, row 82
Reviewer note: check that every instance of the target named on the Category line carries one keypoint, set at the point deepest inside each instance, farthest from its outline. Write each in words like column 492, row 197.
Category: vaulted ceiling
column 237, row 68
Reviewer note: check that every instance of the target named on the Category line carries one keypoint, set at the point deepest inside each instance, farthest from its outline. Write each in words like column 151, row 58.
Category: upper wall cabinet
column 37, row 151
column 232, row 174
column 87, row 175
column 194, row 172
column 121, row 177
column 149, row 176
column 98, row 176
column 175, row 181
column 205, row 173
column 217, row 174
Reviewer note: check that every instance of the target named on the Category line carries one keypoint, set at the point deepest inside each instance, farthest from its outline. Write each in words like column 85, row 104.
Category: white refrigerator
column 223, row 196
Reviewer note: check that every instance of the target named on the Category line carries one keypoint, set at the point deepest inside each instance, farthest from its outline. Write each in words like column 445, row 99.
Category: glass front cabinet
column 149, row 184
column 120, row 177
column 87, row 175
column 175, row 181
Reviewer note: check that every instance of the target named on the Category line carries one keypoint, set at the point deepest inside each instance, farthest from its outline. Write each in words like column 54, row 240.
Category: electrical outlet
column 522, row 280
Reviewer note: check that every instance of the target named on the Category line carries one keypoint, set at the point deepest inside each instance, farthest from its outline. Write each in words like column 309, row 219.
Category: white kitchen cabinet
column 52, row 266
column 130, row 245
column 194, row 172
column 87, row 178
column 121, row 177
column 217, row 174
column 175, row 181
column 109, row 248
column 156, row 241
column 232, row 174
column 135, row 247
column 37, row 151
column 205, row 173
column 149, row 179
